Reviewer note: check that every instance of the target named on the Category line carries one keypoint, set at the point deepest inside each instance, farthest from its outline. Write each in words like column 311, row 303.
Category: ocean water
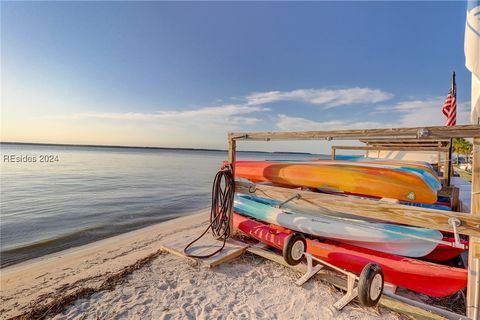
column 70, row 195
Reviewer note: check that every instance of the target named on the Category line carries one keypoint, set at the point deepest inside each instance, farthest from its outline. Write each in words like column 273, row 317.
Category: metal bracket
column 455, row 222
column 295, row 197
column 423, row 133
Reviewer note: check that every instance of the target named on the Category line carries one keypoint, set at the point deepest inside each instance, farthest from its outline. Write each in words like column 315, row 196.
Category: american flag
column 449, row 109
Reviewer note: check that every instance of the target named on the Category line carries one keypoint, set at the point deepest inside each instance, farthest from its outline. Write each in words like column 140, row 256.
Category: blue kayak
column 389, row 238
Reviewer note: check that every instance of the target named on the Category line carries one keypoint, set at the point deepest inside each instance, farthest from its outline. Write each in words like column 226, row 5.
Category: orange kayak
column 390, row 163
column 342, row 176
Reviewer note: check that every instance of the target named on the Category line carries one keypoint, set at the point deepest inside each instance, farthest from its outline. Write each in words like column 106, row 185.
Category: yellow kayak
column 379, row 181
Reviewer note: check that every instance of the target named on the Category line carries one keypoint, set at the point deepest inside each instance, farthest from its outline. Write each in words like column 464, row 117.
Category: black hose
column 223, row 192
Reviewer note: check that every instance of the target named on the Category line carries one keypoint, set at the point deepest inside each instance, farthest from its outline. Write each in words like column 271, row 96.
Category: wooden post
column 232, row 150
column 333, row 152
column 450, row 164
column 439, row 165
column 446, row 169
column 455, row 198
column 473, row 286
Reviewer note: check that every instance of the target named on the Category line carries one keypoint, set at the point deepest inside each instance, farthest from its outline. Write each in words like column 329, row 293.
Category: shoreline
column 132, row 276
column 100, row 243
column 86, row 242
column 43, row 279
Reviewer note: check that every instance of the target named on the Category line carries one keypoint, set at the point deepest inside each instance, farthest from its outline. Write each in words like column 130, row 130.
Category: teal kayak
column 389, row 238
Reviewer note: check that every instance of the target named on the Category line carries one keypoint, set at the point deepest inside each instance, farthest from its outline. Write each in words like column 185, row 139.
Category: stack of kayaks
column 352, row 242
column 428, row 278
column 382, row 237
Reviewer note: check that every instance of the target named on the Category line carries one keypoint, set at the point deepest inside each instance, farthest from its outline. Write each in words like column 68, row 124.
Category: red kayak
column 428, row 278
column 445, row 252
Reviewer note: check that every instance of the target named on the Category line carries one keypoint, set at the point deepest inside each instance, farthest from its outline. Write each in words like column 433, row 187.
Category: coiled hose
column 223, row 192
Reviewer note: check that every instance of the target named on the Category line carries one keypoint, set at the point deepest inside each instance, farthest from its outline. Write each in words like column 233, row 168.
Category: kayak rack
column 417, row 139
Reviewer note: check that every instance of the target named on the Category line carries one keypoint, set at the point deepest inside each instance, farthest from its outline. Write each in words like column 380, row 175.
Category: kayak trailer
column 370, row 282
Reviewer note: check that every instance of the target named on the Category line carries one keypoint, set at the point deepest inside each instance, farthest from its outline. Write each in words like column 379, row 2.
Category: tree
column 462, row 147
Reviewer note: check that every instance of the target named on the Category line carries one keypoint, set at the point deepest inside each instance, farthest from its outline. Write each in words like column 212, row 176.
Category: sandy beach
column 248, row 288
column 131, row 277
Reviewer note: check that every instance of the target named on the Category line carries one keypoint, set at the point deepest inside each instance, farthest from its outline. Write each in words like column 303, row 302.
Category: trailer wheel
column 293, row 249
column 370, row 285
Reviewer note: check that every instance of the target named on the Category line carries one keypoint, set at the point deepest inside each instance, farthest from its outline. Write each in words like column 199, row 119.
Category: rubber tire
column 364, row 283
column 288, row 245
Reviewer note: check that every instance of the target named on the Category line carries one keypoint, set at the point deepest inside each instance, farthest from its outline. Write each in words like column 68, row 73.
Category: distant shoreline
column 140, row 147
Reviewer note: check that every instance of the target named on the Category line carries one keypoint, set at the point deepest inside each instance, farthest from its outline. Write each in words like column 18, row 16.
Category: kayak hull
column 445, row 252
column 375, row 181
column 428, row 278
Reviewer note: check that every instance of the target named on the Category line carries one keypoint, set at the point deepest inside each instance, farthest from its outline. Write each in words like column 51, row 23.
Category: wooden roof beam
column 440, row 132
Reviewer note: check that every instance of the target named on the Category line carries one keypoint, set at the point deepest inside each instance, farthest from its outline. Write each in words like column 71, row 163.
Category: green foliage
column 462, row 146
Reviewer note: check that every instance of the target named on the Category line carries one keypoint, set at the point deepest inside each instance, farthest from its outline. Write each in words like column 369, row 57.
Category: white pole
column 472, row 62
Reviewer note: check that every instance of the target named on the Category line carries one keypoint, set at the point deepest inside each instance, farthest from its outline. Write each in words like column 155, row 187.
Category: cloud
column 328, row 98
column 288, row 123
column 234, row 115
column 408, row 105
column 410, row 113
column 427, row 112
column 209, row 116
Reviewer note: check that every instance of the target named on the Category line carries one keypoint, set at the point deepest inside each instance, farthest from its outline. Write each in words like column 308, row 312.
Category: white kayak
column 389, row 238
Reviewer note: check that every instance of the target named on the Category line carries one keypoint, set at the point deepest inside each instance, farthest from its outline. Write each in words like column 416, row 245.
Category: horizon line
column 147, row 147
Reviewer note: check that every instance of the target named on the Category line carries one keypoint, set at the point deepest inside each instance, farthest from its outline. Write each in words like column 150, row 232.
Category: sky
column 183, row 74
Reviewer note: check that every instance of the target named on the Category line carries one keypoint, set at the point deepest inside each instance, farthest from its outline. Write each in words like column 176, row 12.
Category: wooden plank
column 423, row 145
column 404, row 145
column 426, row 133
column 475, row 247
column 333, row 152
column 447, row 168
column 393, row 148
column 341, row 283
column 420, row 217
column 437, row 142
column 473, row 285
column 175, row 244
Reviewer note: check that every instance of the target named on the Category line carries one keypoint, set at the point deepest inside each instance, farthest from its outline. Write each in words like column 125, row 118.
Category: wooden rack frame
column 420, row 217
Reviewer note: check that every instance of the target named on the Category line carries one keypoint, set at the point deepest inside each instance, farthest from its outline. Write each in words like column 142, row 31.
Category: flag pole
column 453, row 92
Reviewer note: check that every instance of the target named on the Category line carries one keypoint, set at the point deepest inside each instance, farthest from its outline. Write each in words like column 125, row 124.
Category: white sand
column 167, row 287
column 248, row 288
